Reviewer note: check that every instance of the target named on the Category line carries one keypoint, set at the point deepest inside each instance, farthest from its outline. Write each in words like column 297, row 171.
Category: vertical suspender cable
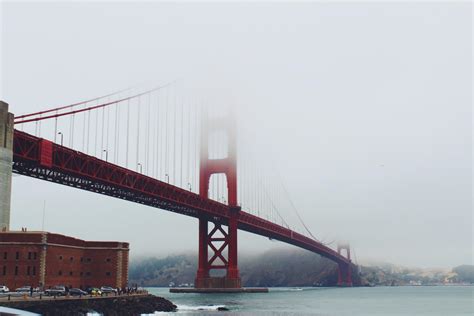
column 147, row 136
column 117, row 132
column 96, row 130
column 107, row 132
column 166, row 151
column 138, row 135
column 188, row 147
column 158, row 134
column 128, row 133
column 242, row 179
column 174, row 136
column 257, row 191
column 181, row 143
column 116, row 143
column 55, row 127
column 88, row 129
column 153, row 142
column 102, row 134
column 197, row 144
column 72, row 131
column 84, row 128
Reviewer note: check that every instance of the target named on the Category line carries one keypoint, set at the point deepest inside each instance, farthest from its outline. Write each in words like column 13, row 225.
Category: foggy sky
column 365, row 109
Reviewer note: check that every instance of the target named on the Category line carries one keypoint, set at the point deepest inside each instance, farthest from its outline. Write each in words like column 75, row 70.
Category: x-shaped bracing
column 218, row 250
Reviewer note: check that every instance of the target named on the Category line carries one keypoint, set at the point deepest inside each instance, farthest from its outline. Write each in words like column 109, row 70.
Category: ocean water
column 380, row 301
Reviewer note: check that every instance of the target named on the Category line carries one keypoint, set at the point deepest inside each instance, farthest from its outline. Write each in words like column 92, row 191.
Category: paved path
column 15, row 297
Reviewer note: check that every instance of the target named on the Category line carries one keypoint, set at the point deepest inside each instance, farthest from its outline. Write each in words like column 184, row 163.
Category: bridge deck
column 42, row 159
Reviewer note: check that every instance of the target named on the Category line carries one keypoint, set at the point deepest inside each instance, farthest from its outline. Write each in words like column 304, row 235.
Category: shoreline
column 110, row 305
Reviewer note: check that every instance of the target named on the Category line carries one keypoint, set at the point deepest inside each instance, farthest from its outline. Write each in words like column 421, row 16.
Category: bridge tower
column 344, row 270
column 218, row 240
column 6, row 159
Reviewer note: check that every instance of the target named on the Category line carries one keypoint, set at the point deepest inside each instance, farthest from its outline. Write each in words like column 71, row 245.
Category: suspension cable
column 71, row 105
column 92, row 107
column 294, row 208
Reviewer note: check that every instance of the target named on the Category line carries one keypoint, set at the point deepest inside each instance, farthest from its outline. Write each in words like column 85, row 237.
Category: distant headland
column 293, row 268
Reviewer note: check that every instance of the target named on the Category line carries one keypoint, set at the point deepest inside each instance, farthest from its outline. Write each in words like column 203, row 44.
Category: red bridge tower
column 345, row 270
column 218, row 240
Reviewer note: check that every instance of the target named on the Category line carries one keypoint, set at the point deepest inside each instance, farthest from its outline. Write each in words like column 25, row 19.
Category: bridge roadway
column 42, row 159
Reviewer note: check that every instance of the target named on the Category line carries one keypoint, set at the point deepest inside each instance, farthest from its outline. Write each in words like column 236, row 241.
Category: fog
column 365, row 110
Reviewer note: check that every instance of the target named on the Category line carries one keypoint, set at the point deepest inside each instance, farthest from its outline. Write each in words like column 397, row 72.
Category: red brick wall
column 10, row 264
column 69, row 261
column 125, row 266
column 63, row 266
column 102, row 267
column 20, row 237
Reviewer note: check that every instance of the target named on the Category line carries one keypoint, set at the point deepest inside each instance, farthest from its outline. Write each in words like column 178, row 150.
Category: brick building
column 46, row 259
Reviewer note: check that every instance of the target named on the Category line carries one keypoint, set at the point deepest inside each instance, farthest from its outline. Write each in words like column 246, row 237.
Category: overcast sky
column 365, row 109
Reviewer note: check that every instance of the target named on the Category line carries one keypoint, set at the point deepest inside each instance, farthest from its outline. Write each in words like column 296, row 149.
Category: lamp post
column 106, row 154
column 189, row 185
column 140, row 165
column 60, row 133
column 167, row 178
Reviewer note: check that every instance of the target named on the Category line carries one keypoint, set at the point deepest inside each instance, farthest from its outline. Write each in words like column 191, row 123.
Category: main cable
column 71, row 112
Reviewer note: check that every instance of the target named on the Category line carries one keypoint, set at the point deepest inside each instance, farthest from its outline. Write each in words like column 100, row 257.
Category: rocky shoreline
column 113, row 306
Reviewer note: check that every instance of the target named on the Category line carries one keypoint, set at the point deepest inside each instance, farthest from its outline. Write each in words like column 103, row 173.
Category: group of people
column 129, row 290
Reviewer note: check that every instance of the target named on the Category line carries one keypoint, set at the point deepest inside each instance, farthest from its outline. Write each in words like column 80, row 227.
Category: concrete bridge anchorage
column 6, row 160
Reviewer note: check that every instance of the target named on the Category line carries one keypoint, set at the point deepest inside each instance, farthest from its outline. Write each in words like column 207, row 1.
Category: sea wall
column 109, row 306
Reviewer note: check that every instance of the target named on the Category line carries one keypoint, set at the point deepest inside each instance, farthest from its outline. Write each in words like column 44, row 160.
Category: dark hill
column 465, row 273
column 273, row 268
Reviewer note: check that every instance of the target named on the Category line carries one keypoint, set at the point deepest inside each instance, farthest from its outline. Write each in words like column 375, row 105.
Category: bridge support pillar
column 344, row 274
column 344, row 269
column 6, row 160
column 218, row 240
column 203, row 270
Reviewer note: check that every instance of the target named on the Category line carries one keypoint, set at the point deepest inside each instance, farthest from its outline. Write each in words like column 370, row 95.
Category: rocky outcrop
column 113, row 306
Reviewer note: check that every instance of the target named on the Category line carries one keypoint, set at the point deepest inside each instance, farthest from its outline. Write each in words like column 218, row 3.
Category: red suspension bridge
column 165, row 150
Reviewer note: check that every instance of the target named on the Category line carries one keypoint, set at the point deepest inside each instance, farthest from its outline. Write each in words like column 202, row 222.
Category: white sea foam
column 199, row 308
column 286, row 289
column 189, row 308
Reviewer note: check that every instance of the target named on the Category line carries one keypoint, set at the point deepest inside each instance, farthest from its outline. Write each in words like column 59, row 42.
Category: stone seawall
column 113, row 306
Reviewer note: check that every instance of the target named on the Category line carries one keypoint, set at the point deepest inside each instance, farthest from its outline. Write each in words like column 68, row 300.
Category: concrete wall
column 6, row 159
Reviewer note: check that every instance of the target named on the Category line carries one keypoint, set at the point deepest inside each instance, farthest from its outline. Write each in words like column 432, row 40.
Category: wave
column 200, row 308
column 286, row 289
column 189, row 308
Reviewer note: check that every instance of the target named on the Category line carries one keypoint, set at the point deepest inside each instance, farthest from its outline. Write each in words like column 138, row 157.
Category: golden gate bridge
column 164, row 148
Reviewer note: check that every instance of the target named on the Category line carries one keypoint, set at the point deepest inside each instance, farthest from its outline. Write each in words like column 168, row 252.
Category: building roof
column 55, row 239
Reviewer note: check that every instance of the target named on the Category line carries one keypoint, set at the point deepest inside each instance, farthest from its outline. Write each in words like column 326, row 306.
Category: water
column 380, row 301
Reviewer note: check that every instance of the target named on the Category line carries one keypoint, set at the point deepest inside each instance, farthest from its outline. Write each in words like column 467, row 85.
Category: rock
column 222, row 309
column 113, row 306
